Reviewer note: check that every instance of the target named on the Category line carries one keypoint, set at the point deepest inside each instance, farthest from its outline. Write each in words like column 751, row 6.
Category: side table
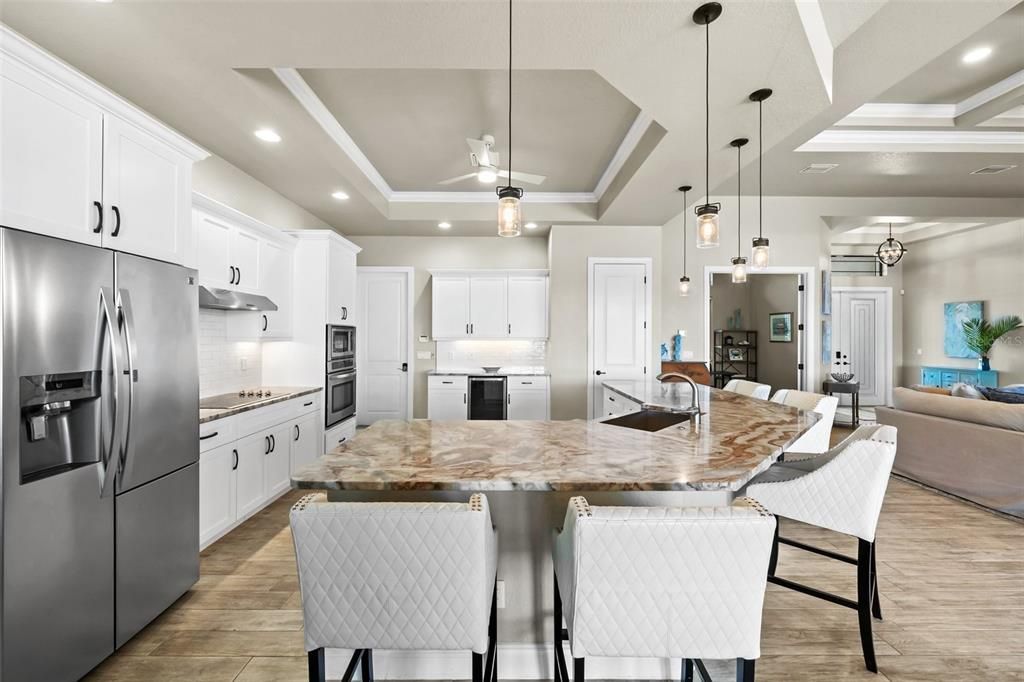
column 829, row 387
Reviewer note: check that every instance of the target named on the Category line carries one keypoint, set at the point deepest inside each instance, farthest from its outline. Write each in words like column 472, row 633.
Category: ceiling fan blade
column 530, row 178
column 452, row 181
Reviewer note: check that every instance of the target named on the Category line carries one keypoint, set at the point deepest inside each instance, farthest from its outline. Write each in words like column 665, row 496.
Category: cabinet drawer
column 447, row 383
column 340, row 434
column 528, row 382
column 216, row 433
column 271, row 415
column 931, row 377
column 949, row 378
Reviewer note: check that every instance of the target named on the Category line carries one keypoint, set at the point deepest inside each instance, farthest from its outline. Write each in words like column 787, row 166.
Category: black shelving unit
column 743, row 361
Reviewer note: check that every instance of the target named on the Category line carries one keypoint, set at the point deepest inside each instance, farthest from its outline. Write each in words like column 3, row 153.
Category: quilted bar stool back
column 663, row 582
column 382, row 575
column 816, row 439
column 750, row 388
column 841, row 490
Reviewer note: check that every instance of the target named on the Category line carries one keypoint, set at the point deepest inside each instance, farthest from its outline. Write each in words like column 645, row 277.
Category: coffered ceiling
column 375, row 99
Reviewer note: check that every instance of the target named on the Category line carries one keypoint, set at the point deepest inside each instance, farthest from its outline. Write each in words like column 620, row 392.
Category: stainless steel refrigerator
column 100, row 419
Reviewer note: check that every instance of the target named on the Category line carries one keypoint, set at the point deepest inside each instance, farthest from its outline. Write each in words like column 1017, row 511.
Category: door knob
column 599, row 372
column 405, row 366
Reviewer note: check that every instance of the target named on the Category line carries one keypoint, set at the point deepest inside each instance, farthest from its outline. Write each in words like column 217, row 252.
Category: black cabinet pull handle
column 264, row 323
column 510, row 328
column 234, row 467
column 463, row 398
column 273, row 443
column 117, row 221
column 470, row 327
column 342, row 440
column 99, row 217
column 508, row 398
column 210, row 435
column 296, row 432
column 232, row 274
column 239, row 270
column 307, row 404
column 266, row 445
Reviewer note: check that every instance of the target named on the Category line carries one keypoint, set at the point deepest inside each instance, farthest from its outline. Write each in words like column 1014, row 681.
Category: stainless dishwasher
column 487, row 398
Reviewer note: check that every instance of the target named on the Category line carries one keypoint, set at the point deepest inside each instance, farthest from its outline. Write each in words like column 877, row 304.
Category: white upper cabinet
column 276, row 283
column 450, row 303
column 341, row 285
column 147, row 189
column 528, row 306
column 80, row 163
column 245, row 257
column 213, row 251
column 496, row 304
column 51, row 157
column 488, row 306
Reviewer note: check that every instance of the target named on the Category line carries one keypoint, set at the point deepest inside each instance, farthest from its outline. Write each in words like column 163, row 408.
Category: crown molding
column 489, row 197
column 1004, row 87
column 326, row 235
column 938, row 140
column 626, row 148
column 21, row 51
column 218, row 209
column 813, row 22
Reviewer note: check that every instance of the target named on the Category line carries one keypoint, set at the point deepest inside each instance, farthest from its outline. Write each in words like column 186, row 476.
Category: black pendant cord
column 760, row 169
column 739, row 199
column 707, row 110
column 890, row 231
column 509, row 183
column 684, row 233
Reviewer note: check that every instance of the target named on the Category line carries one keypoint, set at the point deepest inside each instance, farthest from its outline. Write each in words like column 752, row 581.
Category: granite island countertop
column 668, row 396
column 503, row 372
column 737, row 438
column 280, row 394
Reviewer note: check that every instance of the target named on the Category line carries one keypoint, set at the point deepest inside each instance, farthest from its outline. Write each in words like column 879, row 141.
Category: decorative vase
column 677, row 346
column 983, row 364
column 664, row 352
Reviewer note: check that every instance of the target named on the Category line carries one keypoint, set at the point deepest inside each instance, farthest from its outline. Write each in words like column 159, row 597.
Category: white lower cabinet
column 246, row 461
column 339, row 434
column 617, row 405
column 447, row 398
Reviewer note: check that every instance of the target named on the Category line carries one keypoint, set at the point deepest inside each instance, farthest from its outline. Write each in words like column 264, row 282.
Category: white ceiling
column 601, row 84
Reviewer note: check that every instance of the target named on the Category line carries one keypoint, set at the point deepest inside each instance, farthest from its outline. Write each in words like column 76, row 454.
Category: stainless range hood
column 225, row 299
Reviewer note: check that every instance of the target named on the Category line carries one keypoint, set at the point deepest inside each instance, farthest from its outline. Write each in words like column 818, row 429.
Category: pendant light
column 891, row 250
column 684, row 281
column 707, row 213
column 510, row 213
column 759, row 249
column 739, row 263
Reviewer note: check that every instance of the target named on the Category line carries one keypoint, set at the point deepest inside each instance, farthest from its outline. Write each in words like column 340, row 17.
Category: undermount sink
column 649, row 420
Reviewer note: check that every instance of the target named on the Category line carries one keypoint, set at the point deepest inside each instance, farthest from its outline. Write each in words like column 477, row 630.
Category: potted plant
column 980, row 335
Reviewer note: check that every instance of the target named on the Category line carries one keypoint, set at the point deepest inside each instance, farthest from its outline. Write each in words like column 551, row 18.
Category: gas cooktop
column 227, row 401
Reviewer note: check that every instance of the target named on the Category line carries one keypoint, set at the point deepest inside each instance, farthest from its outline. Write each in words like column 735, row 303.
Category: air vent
column 819, row 168
column 992, row 170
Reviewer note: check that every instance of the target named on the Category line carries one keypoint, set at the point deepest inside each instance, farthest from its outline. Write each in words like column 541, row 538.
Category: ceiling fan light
column 486, row 176
column 739, row 270
column 707, row 226
column 510, row 212
column 684, row 286
column 759, row 254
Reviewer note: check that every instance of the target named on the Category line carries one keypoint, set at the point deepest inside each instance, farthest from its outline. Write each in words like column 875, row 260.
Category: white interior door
column 861, row 332
column 383, row 345
column 619, row 308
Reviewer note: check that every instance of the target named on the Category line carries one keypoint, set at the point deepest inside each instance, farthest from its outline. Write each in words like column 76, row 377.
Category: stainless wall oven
column 340, row 385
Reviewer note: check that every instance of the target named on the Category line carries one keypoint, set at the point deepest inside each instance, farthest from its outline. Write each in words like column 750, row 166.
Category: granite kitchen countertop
column 737, row 438
column 280, row 394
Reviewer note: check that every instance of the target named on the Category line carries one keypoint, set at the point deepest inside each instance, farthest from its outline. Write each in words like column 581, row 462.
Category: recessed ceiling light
column 339, row 195
column 992, row 170
column 267, row 135
column 977, row 54
column 819, row 168
column 444, row 225
column 531, row 226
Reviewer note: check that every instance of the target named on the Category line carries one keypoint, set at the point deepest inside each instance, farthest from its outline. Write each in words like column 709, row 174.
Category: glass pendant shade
column 739, row 270
column 891, row 251
column 759, row 254
column 510, row 213
column 707, row 227
column 684, row 286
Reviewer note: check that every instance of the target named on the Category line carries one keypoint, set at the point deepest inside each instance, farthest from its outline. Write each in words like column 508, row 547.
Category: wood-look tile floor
column 951, row 578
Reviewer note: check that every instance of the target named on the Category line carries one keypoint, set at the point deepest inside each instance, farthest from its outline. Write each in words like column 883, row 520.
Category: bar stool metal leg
column 865, row 594
column 744, row 670
column 687, row 674
column 578, row 674
column 876, row 604
column 478, row 667
column 317, row 669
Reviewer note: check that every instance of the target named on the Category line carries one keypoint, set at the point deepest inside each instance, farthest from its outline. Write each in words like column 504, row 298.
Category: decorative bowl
column 491, row 369
column 842, row 377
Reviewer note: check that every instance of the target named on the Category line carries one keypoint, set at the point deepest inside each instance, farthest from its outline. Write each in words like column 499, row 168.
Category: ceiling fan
column 484, row 159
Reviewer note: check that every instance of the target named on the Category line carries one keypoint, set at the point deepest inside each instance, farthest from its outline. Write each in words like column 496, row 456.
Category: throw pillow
column 938, row 390
column 967, row 391
column 1013, row 388
column 1002, row 396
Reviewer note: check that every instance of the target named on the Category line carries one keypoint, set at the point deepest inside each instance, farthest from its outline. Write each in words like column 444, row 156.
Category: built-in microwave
column 341, row 342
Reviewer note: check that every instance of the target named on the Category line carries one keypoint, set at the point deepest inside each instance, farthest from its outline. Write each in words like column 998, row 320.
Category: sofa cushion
column 938, row 390
column 1003, row 396
column 966, row 391
column 984, row 412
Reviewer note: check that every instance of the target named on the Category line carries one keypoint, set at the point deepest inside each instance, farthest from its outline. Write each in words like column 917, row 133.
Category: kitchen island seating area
column 393, row 575
column 661, row 582
column 751, row 388
column 816, row 439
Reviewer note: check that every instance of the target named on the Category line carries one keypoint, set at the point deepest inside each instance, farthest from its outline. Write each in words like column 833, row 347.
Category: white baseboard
column 515, row 661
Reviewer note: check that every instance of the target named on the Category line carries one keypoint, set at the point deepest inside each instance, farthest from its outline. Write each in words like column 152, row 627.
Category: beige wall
column 218, row 179
column 984, row 264
column 425, row 253
column 569, row 248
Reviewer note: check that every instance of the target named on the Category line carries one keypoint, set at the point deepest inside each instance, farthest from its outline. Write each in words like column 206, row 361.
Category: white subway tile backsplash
column 472, row 355
column 221, row 359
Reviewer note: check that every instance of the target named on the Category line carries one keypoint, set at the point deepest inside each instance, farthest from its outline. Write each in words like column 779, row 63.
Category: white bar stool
column 816, row 440
column 750, row 388
column 387, row 575
column 841, row 490
column 662, row 582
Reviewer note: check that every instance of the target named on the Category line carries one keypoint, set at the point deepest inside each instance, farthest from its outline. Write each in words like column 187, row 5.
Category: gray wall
column 425, row 253
column 985, row 264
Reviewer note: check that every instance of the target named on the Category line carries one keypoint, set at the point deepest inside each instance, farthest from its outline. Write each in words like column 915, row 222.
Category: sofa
column 970, row 448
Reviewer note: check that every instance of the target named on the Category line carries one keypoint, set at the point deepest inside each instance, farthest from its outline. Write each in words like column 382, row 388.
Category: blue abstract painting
column 954, row 315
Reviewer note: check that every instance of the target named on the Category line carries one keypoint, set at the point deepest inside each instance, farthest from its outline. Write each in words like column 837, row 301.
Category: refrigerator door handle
column 110, row 462
column 124, row 304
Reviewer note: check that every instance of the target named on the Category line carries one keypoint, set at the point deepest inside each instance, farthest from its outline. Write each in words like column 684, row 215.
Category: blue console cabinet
column 947, row 376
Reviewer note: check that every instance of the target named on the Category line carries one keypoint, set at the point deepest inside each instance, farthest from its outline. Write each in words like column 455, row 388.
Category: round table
column 829, row 387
